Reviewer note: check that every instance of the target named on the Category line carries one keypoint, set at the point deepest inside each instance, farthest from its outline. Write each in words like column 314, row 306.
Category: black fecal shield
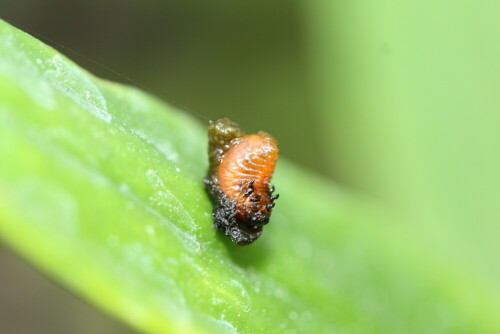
column 224, row 214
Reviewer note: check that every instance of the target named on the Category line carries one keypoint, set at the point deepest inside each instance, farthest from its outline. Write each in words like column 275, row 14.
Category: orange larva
column 241, row 167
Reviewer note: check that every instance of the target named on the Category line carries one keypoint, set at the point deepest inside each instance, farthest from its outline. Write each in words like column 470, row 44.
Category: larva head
column 256, row 203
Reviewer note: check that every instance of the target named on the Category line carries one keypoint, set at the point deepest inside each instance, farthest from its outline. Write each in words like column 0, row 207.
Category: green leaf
column 101, row 188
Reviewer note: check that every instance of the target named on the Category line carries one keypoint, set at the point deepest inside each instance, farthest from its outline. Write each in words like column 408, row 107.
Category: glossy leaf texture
column 101, row 188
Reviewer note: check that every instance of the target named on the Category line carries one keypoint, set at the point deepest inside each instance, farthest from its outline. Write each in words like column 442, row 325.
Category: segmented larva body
column 244, row 175
column 241, row 167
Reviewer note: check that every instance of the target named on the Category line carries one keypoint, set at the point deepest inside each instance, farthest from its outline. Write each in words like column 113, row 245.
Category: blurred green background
column 399, row 101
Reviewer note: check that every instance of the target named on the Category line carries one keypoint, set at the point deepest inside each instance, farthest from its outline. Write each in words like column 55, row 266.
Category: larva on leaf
column 238, row 180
